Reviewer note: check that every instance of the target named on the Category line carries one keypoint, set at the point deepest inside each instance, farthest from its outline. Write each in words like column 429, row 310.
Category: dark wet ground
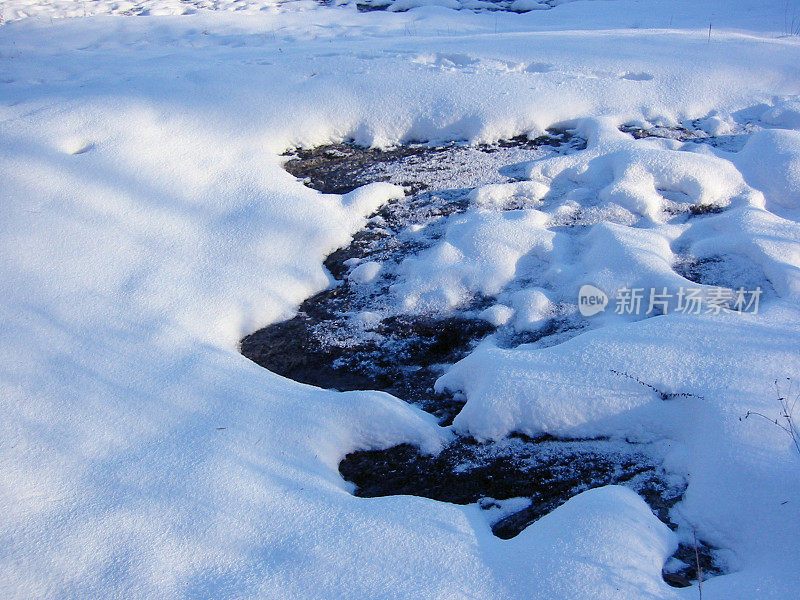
column 548, row 471
column 484, row 5
column 402, row 354
column 326, row 345
column 403, row 361
column 340, row 168
column 545, row 471
column 691, row 133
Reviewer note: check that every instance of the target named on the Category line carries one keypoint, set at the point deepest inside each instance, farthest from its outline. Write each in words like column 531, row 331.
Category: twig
column 664, row 395
column 786, row 413
column 697, row 565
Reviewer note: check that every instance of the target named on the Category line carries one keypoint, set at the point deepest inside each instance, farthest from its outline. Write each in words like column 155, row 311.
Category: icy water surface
column 350, row 337
column 329, row 343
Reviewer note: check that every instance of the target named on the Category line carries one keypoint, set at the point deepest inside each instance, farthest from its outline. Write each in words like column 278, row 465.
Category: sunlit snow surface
column 147, row 225
column 20, row 9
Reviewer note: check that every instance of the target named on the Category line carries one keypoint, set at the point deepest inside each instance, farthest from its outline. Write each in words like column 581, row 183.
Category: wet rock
column 341, row 168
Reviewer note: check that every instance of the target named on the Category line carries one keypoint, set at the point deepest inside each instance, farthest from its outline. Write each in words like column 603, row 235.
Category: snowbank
column 770, row 161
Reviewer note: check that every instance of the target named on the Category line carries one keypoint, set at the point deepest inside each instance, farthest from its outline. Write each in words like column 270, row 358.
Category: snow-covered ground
column 147, row 225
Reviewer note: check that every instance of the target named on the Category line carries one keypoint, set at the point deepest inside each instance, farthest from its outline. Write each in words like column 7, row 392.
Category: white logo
column 591, row 300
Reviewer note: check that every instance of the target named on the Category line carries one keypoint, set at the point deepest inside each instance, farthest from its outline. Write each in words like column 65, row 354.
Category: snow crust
column 147, row 225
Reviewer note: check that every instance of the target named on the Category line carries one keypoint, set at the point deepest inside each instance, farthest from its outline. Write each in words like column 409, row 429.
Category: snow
column 479, row 255
column 784, row 114
column 611, row 517
column 532, row 307
column 571, row 390
column 498, row 314
column 147, row 225
column 365, row 272
column 770, row 161
column 609, row 216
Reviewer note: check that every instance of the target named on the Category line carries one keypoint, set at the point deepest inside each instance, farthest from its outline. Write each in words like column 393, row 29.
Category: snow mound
column 636, row 546
column 571, row 389
column 770, row 162
column 785, row 114
column 479, row 255
column 645, row 178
